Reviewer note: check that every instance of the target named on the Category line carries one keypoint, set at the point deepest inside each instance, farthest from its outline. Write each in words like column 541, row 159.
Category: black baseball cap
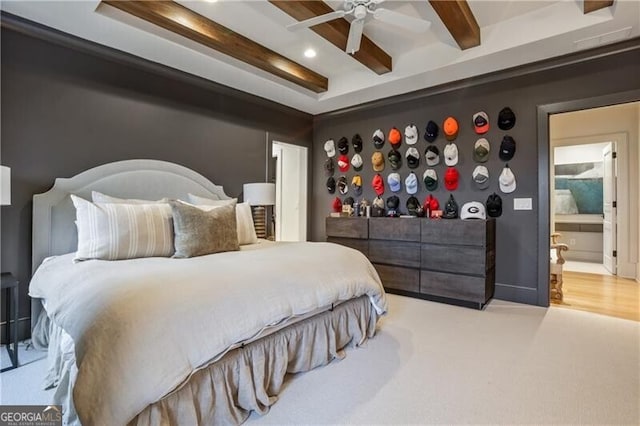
column 348, row 201
column 378, row 139
column 413, row 157
column 356, row 141
column 413, row 205
column 328, row 166
column 450, row 208
column 331, row 185
column 507, row 148
column 393, row 202
column 395, row 159
column 343, row 146
column 494, row 205
column 431, row 131
column 506, row 119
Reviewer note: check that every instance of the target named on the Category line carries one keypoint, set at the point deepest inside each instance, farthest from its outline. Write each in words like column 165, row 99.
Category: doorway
column 290, row 217
column 593, row 200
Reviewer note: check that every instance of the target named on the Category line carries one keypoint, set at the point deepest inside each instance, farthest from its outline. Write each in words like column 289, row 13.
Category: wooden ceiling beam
column 593, row 5
column 459, row 20
column 187, row 23
column 337, row 33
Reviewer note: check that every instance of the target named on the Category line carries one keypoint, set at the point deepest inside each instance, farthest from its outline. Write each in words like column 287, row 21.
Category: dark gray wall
column 523, row 91
column 65, row 110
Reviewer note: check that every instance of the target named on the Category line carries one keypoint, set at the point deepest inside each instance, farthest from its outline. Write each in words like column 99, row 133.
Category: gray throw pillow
column 199, row 232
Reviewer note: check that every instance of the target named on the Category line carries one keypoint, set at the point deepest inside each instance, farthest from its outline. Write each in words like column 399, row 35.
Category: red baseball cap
column 343, row 163
column 451, row 177
column 395, row 137
column 378, row 184
column 337, row 205
column 431, row 203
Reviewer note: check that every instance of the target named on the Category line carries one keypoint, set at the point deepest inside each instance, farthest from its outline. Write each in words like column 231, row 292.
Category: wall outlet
column 522, row 204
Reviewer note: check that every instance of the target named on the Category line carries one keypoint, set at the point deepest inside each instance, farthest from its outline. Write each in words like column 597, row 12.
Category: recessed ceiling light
column 211, row 1
column 310, row 53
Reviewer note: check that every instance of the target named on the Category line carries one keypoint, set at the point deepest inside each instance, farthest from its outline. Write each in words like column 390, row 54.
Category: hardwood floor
column 607, row 295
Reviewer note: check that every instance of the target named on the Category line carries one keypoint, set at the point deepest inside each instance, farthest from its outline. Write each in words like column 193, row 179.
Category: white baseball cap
column 507, row 180
column 473, row 210
column 411, row 134
column 411, row 183
column 356, row 162
column 330, row 148
column 451, row 154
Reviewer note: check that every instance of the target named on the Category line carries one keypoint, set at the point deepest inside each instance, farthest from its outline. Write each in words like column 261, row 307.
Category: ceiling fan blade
column 355, row 36
column 407, row 22
column 316, row 20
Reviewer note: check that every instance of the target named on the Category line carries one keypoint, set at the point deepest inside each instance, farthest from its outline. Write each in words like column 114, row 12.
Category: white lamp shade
column 5, row 186
column 259, row 194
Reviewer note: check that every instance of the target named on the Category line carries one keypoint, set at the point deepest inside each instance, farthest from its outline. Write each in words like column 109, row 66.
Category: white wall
column 614, row 119
column 588, row 153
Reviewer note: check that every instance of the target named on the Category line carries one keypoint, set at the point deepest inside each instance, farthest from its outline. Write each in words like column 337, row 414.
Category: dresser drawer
column 397, row 253
column 455, row 231
column 347, row 227
column 399, row 278
column 398, row 229
column 361, row 245
column 457, row 259
column 460, row 287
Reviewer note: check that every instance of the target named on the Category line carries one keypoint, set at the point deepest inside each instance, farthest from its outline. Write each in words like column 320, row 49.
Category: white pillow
column 244, row 218
column 113, row 231
column 99, row 197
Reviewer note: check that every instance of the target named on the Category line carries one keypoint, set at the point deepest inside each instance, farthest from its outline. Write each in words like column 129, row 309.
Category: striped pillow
column 111, row 231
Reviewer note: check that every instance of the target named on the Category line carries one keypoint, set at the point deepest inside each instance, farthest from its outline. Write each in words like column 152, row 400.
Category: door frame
column 543, row 113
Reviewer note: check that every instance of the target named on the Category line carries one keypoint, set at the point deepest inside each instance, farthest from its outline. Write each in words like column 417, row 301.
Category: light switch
column 522, row 204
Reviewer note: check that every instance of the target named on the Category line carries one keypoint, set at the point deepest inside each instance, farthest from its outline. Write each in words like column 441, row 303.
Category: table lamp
column 5, row 186
column 259, row 195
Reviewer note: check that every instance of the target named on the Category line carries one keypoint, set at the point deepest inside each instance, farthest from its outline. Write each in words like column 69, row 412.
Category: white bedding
column 142, row 326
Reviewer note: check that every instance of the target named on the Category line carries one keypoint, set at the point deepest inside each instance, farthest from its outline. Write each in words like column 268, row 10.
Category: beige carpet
column 435, row 363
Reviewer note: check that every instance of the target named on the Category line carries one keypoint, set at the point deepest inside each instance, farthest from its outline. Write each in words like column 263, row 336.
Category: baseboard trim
column 24, row 330
column 512, row 293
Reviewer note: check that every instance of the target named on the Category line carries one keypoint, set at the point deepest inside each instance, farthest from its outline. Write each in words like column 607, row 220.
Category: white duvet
column 142, row 326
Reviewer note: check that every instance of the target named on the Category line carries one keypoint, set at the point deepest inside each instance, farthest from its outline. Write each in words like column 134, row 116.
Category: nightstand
column 9, row 282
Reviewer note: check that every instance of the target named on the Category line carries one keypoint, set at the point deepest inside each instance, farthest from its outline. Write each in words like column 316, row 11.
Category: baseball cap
column 431, row 131
column 348, row 201
column 411, row 183
column 432, row 155
column 328, row 166
column 430, row 178
column 337, row 205
column 395, row 159
column 450, row 208
column 506, row 119
column 481, row 150
column 377, row 207
column 377, row 160
column 413, row 157
column 431, row 203
column 413, row 205
column 378, row 184
column 411, row 134
column 473, row 210
column 343, row 163
column 330, row 148
column 451, row 178
column 356, row 141
column 450, row 127
column 481, row 122
column 481, row 177
column 494, row 205
column 356, row 185
column 507, row 180
column 507, row 148
column 356, row 162
column 331, row 185
column 343, row 145
column 395, row 138
column 378, row 139
column 393, row 180
column 451, row 154
column 393, row 202
column 342, row 185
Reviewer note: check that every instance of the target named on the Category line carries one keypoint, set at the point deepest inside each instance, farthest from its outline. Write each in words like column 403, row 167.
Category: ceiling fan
column 359, row 9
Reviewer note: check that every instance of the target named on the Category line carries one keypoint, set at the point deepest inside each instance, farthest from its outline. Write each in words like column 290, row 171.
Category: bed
column 202, row 340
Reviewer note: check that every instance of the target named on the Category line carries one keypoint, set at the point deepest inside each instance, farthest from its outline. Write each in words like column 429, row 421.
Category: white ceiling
column 513, row 32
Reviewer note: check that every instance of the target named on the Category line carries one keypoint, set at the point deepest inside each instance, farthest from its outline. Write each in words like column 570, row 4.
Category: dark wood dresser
column 451, row 261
